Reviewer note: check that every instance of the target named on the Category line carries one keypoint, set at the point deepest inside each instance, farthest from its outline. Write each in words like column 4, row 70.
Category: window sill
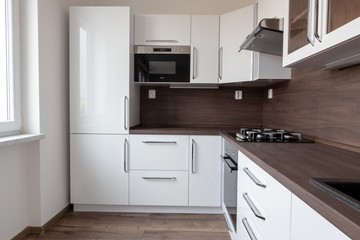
column 20, row 138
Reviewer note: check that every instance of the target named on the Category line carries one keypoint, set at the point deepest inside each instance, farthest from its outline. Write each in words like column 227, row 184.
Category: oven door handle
column 228, row 159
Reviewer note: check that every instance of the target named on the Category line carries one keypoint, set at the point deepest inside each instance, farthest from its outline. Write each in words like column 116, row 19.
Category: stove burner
column 269, row 135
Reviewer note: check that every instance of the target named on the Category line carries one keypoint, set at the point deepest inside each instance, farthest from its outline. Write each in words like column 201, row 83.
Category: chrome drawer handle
column 253, row 207
column 253, row 178
column 159, row 142
column 159, row 178
column 248, row 229
column 162, row 41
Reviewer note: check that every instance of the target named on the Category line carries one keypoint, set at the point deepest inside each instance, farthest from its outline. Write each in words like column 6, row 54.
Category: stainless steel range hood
column 267, row 37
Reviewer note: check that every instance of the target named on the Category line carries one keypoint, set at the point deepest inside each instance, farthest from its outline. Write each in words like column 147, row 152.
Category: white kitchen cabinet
column 262, row 201
column 205, row 49
column 159, row 152
column 157, row 29
column 159, row 188
column 98, row 169
column 306, row 223
column 205, row 171
column 272, row 9
column 321, row 37
column 245, row 66
column 234, row 27
column 99, row 70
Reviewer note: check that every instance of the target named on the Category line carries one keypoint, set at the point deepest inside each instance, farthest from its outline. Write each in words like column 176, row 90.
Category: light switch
column 152, row 94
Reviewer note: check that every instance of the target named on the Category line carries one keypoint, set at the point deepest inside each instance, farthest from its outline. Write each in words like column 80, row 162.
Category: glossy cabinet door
column 205, row 171
column 98, row 169
column 235, row 66
column 99, row 69
column 204, row 51
column 159, row 29
column 306, row 223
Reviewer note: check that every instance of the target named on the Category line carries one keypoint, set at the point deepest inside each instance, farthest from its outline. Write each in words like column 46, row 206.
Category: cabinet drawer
column 159, row 188
column 159, row 152
column 273, row 196
column 266, row 221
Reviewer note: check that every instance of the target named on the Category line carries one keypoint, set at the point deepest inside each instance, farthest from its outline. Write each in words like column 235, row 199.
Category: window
column 9, row 68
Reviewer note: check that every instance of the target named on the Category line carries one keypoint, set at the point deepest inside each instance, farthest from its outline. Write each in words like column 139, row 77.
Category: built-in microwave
column 162, row 64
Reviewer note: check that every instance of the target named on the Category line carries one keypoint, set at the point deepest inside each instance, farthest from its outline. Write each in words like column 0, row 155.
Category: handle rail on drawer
column 253, row 207
column 253, row 178
column 159, row 178
column 160, row 142
column 248, row 229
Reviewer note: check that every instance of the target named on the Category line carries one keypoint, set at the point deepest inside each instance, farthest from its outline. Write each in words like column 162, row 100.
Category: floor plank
column 136, row 226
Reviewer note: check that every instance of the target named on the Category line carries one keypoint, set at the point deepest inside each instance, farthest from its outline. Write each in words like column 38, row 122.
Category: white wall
column 34, row 177
column 13, row 187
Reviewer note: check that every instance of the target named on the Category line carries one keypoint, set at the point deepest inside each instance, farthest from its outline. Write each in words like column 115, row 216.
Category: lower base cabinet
column 205, row 171
column 270, row 211
column 158, row 176
column 306, row 223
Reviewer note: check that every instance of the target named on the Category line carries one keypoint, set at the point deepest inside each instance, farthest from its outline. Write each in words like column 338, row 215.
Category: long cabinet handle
column 253, row 178
column 126, row 109
column 193, row 156
column 126, row 155
column 252, row 206
column 161, row 41
column 227, row 223
column 311, row 24
column 160, row 142
column 248, row 229
column 195, row 59
column 221, row 52
column 159, row 178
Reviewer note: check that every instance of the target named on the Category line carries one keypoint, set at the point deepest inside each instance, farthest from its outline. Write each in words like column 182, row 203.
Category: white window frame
column 13, row 126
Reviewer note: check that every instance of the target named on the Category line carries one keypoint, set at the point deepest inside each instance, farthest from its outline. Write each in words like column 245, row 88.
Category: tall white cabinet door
column 98, row 169
column 205, row 48
column 235, row 66
column 205, row 171
column 306, row 223
column 158, row 29
column 99, row 69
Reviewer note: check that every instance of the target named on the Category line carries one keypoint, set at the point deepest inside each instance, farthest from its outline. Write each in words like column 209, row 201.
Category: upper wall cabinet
column 234, row 27
column 205, row 45
column 162, row 29
column 322, row 32
column 272, row 9
column 245, row 66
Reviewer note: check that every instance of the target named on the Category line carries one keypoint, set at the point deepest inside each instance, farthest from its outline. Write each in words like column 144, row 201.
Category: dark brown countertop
column 183, row 130
column 294, row 164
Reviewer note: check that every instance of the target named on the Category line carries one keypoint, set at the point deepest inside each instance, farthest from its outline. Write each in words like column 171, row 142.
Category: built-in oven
column 230, row 178
column 162, row 64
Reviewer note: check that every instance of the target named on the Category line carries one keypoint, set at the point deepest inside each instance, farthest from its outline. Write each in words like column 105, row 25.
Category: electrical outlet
column 152, row 94
column 270, row 93
column 238, row 95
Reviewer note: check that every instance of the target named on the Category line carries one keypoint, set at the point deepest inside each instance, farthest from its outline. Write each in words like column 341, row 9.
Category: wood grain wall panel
column 321, row 104
column 201, row 107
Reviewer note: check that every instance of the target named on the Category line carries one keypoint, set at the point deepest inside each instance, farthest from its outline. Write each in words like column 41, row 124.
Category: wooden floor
column 131, row 226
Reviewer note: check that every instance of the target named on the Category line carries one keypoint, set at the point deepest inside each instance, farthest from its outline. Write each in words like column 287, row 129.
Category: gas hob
column 270, row 135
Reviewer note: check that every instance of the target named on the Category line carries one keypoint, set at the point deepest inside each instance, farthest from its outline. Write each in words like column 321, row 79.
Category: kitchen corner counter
column 294, row 164
column 181, row 130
